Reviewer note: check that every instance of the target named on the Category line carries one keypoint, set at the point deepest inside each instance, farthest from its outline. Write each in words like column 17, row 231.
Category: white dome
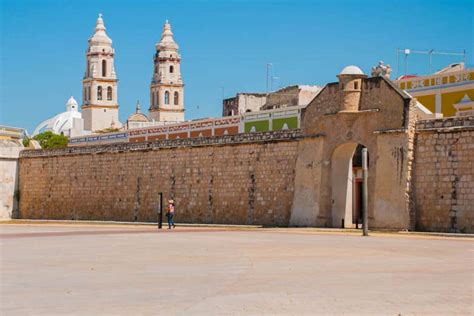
column 351, row 70
column 62, row 122
column 71, row 104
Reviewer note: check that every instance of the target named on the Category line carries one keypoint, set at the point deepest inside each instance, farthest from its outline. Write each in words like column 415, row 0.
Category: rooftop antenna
column 269, row 66
column 430, row 54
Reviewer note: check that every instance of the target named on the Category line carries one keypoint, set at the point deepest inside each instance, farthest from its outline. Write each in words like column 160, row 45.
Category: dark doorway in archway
column 346, row 184
column 357, row 186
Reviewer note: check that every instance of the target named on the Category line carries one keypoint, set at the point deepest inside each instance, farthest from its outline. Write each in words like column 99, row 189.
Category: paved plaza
column 137, row 270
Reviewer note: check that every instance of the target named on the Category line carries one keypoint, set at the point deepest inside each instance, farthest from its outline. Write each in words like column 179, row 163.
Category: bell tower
column 167, row 88
column 99, row 93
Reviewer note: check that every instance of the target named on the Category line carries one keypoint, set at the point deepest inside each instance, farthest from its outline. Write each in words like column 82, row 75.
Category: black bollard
column 160, row 212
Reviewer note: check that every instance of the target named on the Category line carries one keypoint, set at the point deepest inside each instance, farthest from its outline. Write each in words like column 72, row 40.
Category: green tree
column 50, row 140
column 26, row 142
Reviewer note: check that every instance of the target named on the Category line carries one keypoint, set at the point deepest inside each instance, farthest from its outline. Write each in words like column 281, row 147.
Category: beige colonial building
column 167, row 87
column 243, row 103
column 100, row 103
column 296, row 95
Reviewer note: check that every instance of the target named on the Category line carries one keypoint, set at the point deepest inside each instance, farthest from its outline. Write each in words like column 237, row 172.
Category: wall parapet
column 168, row 143
column 446, row 124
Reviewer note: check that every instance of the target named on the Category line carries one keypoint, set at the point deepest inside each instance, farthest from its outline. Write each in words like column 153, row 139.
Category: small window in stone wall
column 171, row 69
column 99, row 93
column 104, row 68
column 356, row 85
column 176, row 98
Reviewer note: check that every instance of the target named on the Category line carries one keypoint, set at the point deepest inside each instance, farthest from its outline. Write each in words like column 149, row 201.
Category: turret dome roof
column 351, row 70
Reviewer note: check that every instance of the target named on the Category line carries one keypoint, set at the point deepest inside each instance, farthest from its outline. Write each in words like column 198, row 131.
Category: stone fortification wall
column 238, row 179
column 444, row 175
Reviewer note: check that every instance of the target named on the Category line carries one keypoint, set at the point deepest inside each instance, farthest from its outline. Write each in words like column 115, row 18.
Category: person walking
column 170, row 214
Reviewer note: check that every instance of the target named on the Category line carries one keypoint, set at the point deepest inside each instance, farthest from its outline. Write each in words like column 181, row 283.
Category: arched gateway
column 356, row 110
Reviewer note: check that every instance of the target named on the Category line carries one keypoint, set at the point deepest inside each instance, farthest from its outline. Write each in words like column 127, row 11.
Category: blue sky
column 223, row 44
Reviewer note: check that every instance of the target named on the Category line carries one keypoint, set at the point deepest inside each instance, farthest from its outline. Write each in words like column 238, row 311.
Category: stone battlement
column 169, row 143
column 465, row 122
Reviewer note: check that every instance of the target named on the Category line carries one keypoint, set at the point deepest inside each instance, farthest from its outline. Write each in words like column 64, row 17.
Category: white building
column 167, row 88
column 99, row 97
column 69, row 123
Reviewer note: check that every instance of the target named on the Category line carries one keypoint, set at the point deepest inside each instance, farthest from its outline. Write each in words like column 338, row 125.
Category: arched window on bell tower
column 176, row 98
column 171, row 69
column 104, row 68
column 109, row 93
column 99, row 93
column 153, row 99
column 167, row 97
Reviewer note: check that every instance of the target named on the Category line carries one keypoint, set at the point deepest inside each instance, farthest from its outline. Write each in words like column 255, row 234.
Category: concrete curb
column 106, row 223
column 349, row 231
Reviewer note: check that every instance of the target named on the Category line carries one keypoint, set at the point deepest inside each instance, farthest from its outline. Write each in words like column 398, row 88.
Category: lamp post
column 365, row 195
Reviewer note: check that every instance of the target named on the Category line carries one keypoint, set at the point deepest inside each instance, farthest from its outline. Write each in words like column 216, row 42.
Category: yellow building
column 12, row 133
column 443, row 92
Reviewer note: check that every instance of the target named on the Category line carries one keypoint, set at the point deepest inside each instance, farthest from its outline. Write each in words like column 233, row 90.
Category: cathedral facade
column 100, row 107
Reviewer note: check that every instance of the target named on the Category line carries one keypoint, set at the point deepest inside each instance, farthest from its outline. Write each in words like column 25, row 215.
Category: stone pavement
column 136, row 270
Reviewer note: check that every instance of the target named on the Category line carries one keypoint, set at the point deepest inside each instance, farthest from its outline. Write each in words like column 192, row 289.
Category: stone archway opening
column 346, row 185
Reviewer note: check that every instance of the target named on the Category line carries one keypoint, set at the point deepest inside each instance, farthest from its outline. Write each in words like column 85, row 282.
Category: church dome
column 138, row 116
column 351, row 70
column 61, row 123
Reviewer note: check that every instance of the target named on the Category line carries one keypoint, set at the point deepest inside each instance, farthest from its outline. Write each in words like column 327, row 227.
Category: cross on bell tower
column 167, row 88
